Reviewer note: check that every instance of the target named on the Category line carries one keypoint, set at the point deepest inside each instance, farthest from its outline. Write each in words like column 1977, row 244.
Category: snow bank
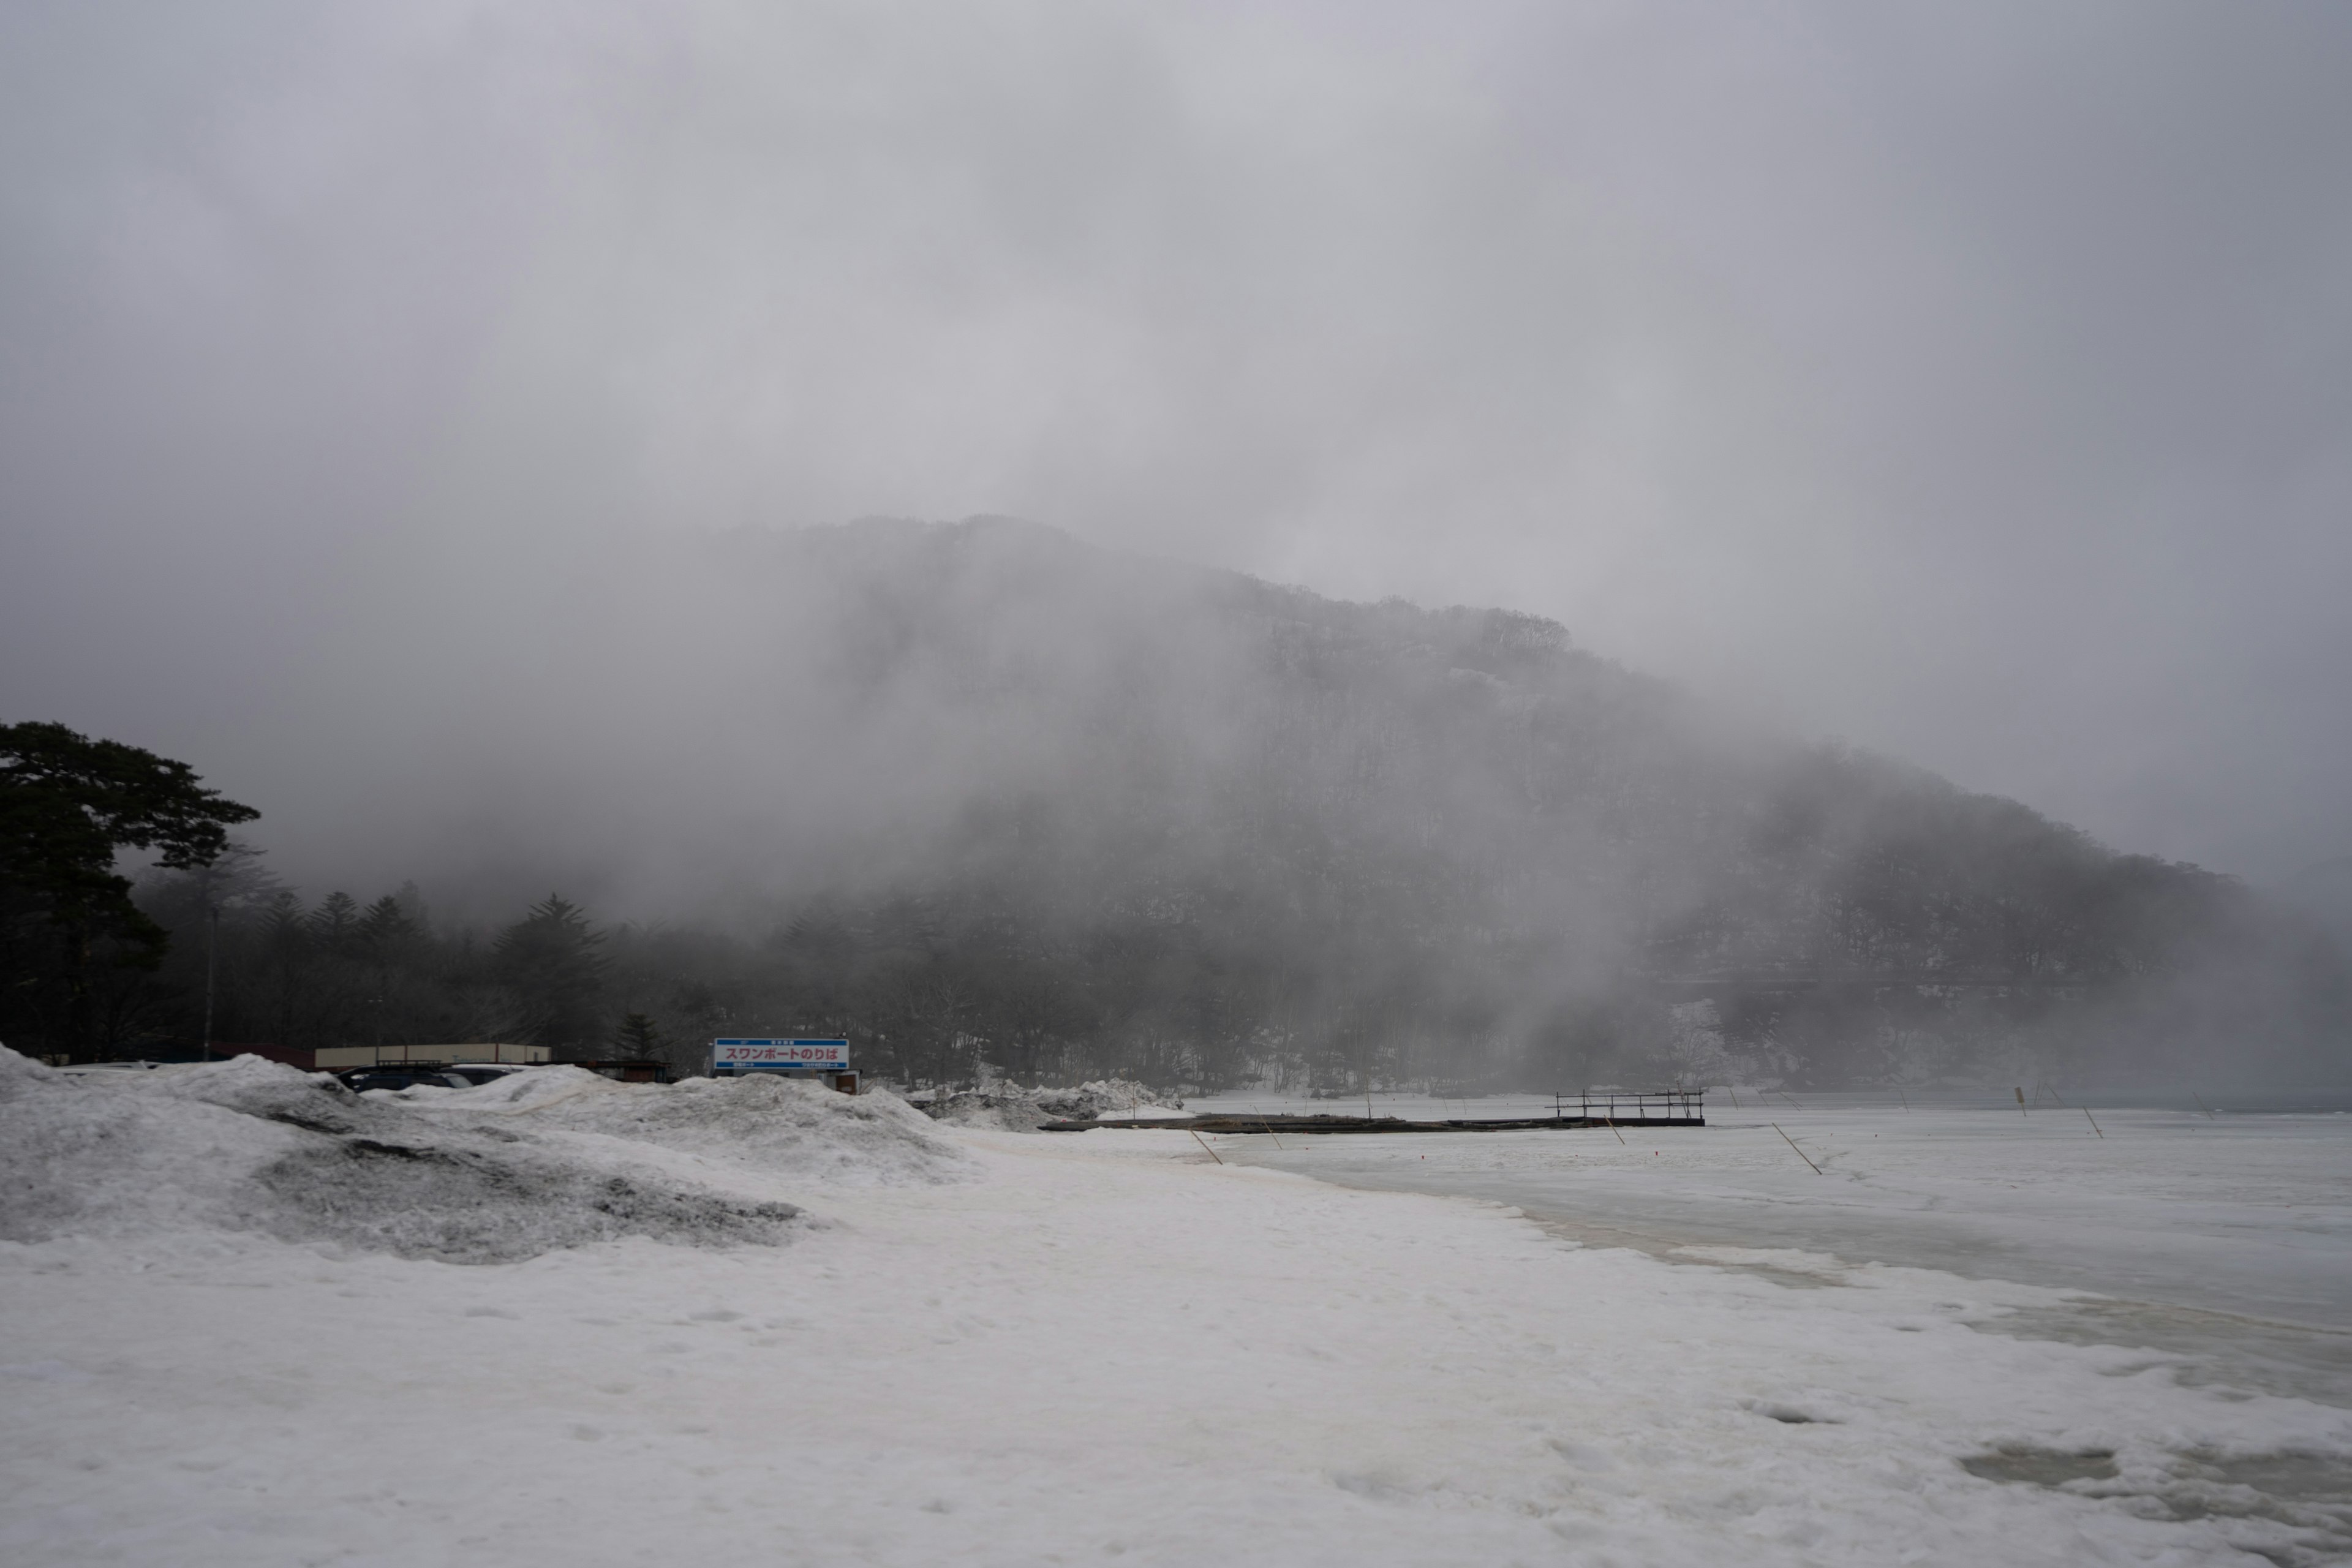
column 532, row 1090
column 761, row 1120
column 1011, row 1108
column 250, row 1145
column 1000, row 1108
column 1104, row 1097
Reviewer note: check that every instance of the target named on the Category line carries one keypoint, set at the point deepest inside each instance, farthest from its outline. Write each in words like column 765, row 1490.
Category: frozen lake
column 2225, row 1238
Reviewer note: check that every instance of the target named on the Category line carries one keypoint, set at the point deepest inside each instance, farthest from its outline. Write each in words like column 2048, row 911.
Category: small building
column 632, row 1070
column 298, row 1057
column 338, row 1059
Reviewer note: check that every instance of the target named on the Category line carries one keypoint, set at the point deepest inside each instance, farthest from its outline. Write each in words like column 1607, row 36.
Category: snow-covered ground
column 927, row 1345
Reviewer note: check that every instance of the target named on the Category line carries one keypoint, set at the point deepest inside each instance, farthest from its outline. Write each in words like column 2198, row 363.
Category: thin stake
column 1808, row 1159
column 1612, row 1127
column 1203, row 1143
column 2201, row 1104
column 1784, row 1094
column 2086, row 1114
column 2020, row 1101
column 1270, row 1133
column 1734, row 1098
column 1905, row 1100
column 212, row 944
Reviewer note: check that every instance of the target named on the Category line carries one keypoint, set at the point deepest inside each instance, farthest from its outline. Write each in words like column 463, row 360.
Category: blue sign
column 779, row 1055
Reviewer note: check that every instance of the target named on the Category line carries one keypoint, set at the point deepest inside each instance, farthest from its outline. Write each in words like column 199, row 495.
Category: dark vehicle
column 359, row 1081
column 481, row 1072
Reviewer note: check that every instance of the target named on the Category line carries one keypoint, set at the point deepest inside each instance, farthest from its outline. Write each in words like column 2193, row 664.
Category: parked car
column 484, row 1072
column 359, row 1081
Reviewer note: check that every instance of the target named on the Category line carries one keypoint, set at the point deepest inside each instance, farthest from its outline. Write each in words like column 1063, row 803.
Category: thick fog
column 1969, row 382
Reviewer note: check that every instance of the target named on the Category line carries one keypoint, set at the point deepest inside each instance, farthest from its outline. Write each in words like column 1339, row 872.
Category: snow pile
column 254, row 1086
column 469, row 1204
column 1105, row 1096
column 1001, row 1107
column 1010, row 1107
column 250, row 1145
column 1149, row 1113
column 762, row 1120
column 532, row 1090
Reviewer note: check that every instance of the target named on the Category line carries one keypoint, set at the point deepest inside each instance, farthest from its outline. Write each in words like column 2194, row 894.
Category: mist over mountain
column 389, row 389
column 982, row 795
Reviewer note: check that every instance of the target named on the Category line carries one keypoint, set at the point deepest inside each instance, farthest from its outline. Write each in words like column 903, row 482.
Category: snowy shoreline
column 1073, row 1348
column 2234, row 1215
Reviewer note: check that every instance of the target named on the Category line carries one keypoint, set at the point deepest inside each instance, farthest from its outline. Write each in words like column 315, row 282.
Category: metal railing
column 1633, row 1106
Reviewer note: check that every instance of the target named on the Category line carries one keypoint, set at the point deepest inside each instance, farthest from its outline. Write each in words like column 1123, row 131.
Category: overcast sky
column 1972, row 382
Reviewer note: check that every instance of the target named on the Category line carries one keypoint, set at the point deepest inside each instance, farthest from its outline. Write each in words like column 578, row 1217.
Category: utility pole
column 212, row 964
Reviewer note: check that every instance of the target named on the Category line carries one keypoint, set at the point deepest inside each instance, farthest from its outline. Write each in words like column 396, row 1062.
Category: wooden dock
column 1656, row 1107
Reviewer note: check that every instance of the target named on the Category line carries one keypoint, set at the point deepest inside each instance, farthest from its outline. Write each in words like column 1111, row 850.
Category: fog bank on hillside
column 980, row 795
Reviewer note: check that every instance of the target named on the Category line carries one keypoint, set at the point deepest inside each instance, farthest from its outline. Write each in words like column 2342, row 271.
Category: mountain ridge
column 981, row 796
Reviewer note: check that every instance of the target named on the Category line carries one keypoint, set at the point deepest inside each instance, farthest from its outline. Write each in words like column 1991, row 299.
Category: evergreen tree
column 551, row 961
column 637, row 1039
column 385, row 930
column 336, row 923
column 68, row 806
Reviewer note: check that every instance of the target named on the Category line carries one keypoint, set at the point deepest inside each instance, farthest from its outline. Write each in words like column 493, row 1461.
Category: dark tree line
column 335, row 972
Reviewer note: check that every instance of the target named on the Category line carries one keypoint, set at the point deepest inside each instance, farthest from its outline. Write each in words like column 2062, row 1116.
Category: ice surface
column 2226, row 1236
column 1102, row 1346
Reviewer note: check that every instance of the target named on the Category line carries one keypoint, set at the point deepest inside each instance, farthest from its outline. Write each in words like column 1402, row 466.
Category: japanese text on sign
column 780, row 1053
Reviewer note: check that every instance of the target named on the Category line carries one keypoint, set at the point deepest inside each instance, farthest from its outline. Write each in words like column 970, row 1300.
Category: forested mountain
column 1062, row 811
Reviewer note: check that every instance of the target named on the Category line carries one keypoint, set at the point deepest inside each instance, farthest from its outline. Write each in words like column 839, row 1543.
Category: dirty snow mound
column 1010, row 1108
column 249, row 1145
column 999, row 1109
column 1104, row 1097
column 440, row 1199
column 762, row 1120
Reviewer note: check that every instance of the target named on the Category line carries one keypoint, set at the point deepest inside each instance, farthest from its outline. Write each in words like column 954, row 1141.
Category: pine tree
column 637, row 1039
column 385, row 929
column 68, row 805
column 335, row 924
column 549, row 957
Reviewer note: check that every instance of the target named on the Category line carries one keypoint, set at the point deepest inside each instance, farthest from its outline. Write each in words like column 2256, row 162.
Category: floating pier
column 1653, row 1108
